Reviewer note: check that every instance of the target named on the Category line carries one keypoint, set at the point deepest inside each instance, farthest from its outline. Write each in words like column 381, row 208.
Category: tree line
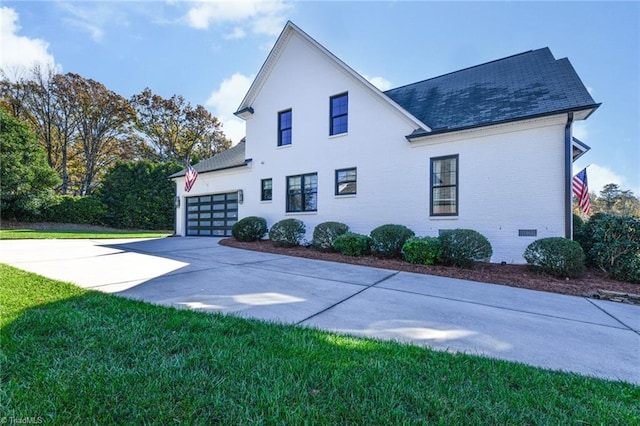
column 85, row 128
column 611, row 200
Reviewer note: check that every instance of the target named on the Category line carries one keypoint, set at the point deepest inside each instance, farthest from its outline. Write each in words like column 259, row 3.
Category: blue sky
column 210, row 51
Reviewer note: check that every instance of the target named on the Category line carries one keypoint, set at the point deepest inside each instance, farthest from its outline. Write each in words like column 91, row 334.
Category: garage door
column 212, row 215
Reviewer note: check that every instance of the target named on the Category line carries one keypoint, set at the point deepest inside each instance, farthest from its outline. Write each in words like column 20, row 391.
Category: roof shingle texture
column 232, row 157
column 525, row 85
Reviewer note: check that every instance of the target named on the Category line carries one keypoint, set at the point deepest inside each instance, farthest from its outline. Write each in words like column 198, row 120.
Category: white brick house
column 487, row 148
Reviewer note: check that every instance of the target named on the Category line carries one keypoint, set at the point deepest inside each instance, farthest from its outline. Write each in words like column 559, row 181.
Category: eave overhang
column 581, row 113
column 236, row 166
column 244, row 113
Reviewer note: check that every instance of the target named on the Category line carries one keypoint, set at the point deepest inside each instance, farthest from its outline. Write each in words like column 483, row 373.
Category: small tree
column 27, row 180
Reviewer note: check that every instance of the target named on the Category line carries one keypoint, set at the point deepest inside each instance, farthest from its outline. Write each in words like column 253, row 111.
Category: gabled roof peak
column 288, row 31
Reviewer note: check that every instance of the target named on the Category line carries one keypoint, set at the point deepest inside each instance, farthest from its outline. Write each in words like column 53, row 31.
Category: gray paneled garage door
column 212, row 215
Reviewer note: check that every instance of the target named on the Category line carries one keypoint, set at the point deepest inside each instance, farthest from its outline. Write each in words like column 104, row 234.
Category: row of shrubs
column 457, row 247
column 608, row 242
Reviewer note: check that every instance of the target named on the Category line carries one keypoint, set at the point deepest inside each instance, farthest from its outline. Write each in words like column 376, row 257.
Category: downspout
column 568, row 164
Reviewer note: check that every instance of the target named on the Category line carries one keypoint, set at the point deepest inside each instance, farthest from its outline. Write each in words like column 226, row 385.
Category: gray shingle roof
column 529, row 84
column 232, row 157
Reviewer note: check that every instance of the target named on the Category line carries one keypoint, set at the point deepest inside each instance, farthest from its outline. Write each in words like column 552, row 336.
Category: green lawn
column 33, row 234
column 72, row 356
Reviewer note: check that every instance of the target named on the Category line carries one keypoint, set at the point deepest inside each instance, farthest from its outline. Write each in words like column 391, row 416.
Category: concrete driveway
column 589, row 337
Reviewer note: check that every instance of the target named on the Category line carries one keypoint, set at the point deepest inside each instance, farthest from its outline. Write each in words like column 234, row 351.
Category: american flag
column 581, row 190
column 190, row 178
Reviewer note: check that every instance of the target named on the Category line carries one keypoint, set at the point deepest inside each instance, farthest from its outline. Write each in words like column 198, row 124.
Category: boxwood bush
column 387, row 240
column 352, row 244
column 556, row 256
column 463, row 247
column 250, row 228
column 287, row 233
column 422, row 251
column 324, row 234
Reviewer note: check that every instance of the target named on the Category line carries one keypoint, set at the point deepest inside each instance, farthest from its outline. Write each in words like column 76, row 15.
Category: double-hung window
column 302, row 193
column 444, row 186
column 284, row 128
column 339, row 113
column 346, row 181
column 266, row 190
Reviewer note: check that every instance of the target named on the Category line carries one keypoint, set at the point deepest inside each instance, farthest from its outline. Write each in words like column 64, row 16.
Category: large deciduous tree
column 27, row 180
column 175, row 130
column 102, row 118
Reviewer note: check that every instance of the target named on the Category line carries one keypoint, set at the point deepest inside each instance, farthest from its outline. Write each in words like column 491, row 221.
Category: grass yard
column 72, row 356
column 33, row 234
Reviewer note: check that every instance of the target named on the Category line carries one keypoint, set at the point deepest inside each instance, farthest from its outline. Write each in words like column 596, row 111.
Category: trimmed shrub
column 387, row 240
column 612, row 243
column 463, row 247
column 250, row 228
column 72, row 209
column 556, row 256
column 287, row 233
column 351, row 244
column 324, row 234
column 422, row 251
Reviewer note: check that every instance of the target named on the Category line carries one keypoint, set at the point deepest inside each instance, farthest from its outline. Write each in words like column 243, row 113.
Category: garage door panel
column 212, row 215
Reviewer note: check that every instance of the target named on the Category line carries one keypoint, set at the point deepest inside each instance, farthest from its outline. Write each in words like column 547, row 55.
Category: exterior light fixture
column 240, row 196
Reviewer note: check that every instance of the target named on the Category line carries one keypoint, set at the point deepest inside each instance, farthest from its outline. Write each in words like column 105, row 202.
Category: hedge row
column 132, row 195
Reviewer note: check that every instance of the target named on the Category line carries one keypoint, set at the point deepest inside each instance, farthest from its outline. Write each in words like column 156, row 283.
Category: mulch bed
column 593, row 284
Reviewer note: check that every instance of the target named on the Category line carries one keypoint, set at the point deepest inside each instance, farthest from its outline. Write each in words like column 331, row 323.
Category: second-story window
column 284, row 128
column 339, row 112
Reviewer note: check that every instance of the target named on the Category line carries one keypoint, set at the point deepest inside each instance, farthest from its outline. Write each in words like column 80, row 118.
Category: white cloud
column 225, row 101
column 598, row 176
column 93, row 18
column 265, row 17
column 237, row 33
column 580, row 130
column 20, row 52
column 380, row 82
